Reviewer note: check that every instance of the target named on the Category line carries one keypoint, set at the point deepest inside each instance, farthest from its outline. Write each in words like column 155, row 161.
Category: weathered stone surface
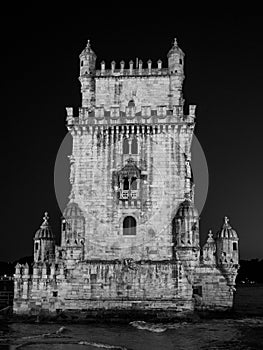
column 130, row 232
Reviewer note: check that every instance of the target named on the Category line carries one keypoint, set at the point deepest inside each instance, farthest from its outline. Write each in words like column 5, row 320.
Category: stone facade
column 130, row 232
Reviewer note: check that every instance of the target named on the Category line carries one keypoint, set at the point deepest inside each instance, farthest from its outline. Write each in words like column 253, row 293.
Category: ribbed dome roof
column 72, row 211
column 227, row 231
column 87, row 51
column 44, row 232
column 175, row 49
column 186, row 209
column 130, row 169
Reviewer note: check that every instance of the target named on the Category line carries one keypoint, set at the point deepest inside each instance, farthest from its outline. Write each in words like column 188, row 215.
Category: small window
column 234, row 245
column 134, row 146
column 129, row 226
column 81, row 64
column 125, row 146
column 131, row 103
column 197, row 290
column 55, row 294
column 63, row 225
column 180, row 61
column 36, row 246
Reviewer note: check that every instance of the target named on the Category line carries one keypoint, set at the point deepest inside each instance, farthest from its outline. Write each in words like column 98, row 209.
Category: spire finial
column 88, row 43
column 226, row 219
column 45, row 218
column 175, row 42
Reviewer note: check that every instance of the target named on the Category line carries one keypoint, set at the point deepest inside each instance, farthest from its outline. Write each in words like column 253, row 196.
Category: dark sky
column 224, row 77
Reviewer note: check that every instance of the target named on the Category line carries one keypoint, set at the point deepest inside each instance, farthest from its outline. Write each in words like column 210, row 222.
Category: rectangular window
column 234, row 245
column 197, row 290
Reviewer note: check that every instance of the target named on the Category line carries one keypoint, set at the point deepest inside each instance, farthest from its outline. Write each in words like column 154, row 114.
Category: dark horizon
column 223, row 77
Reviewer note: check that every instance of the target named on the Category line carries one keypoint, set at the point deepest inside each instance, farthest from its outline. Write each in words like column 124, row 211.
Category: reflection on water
column 243, row 332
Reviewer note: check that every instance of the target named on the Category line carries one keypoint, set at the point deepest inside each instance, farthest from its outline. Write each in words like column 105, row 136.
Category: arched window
column 36, row 246
column 126, row 184
column 125, row 146
column 131, row 103
column 81, row 64
column 134, row 146
column 129, row 226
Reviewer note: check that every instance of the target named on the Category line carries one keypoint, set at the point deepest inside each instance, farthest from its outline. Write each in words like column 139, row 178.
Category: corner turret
column 86, row 78
column 175, row 59
column 176, row 74
column 73, row 233
column 87, row 60
column 44, row 242
column 186, row 225
column 186, row 233
column 227, row 251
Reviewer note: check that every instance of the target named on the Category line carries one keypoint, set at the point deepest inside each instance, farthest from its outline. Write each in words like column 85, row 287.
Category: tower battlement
column 116, row 116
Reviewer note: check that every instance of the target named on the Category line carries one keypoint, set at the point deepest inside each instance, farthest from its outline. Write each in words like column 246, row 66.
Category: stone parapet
column 116, row 116
column 132, row 72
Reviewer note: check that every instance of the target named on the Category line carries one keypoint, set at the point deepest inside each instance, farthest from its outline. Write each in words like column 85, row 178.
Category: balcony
column 134, row 194
column 124, row 194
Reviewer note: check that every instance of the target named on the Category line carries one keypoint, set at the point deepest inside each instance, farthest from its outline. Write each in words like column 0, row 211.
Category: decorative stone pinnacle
column 210, row 238
column 45, row 218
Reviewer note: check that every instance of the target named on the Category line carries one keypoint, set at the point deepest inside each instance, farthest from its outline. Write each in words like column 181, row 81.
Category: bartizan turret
column 176, row 72
column 227, row 252
column 44, row 242
column 72, row 233
column 186, row 235
column 87, row 73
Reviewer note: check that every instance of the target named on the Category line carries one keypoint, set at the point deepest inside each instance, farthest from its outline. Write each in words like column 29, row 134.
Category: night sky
column 224, row 78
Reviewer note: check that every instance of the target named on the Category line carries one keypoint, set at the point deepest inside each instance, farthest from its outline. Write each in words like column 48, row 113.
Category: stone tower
column 130, row 231
column 131, row 157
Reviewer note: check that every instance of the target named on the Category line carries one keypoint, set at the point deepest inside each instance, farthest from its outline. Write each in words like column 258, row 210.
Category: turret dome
column 87, row 51
column 187, row 209
column 72, row 211
column 227, row 231
column 44, row 232
column 175, row 49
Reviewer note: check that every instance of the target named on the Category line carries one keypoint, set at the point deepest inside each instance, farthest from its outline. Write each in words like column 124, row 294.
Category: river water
column 242, row 331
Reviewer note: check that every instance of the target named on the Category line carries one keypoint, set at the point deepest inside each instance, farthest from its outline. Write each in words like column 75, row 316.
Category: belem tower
column 130, row 230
